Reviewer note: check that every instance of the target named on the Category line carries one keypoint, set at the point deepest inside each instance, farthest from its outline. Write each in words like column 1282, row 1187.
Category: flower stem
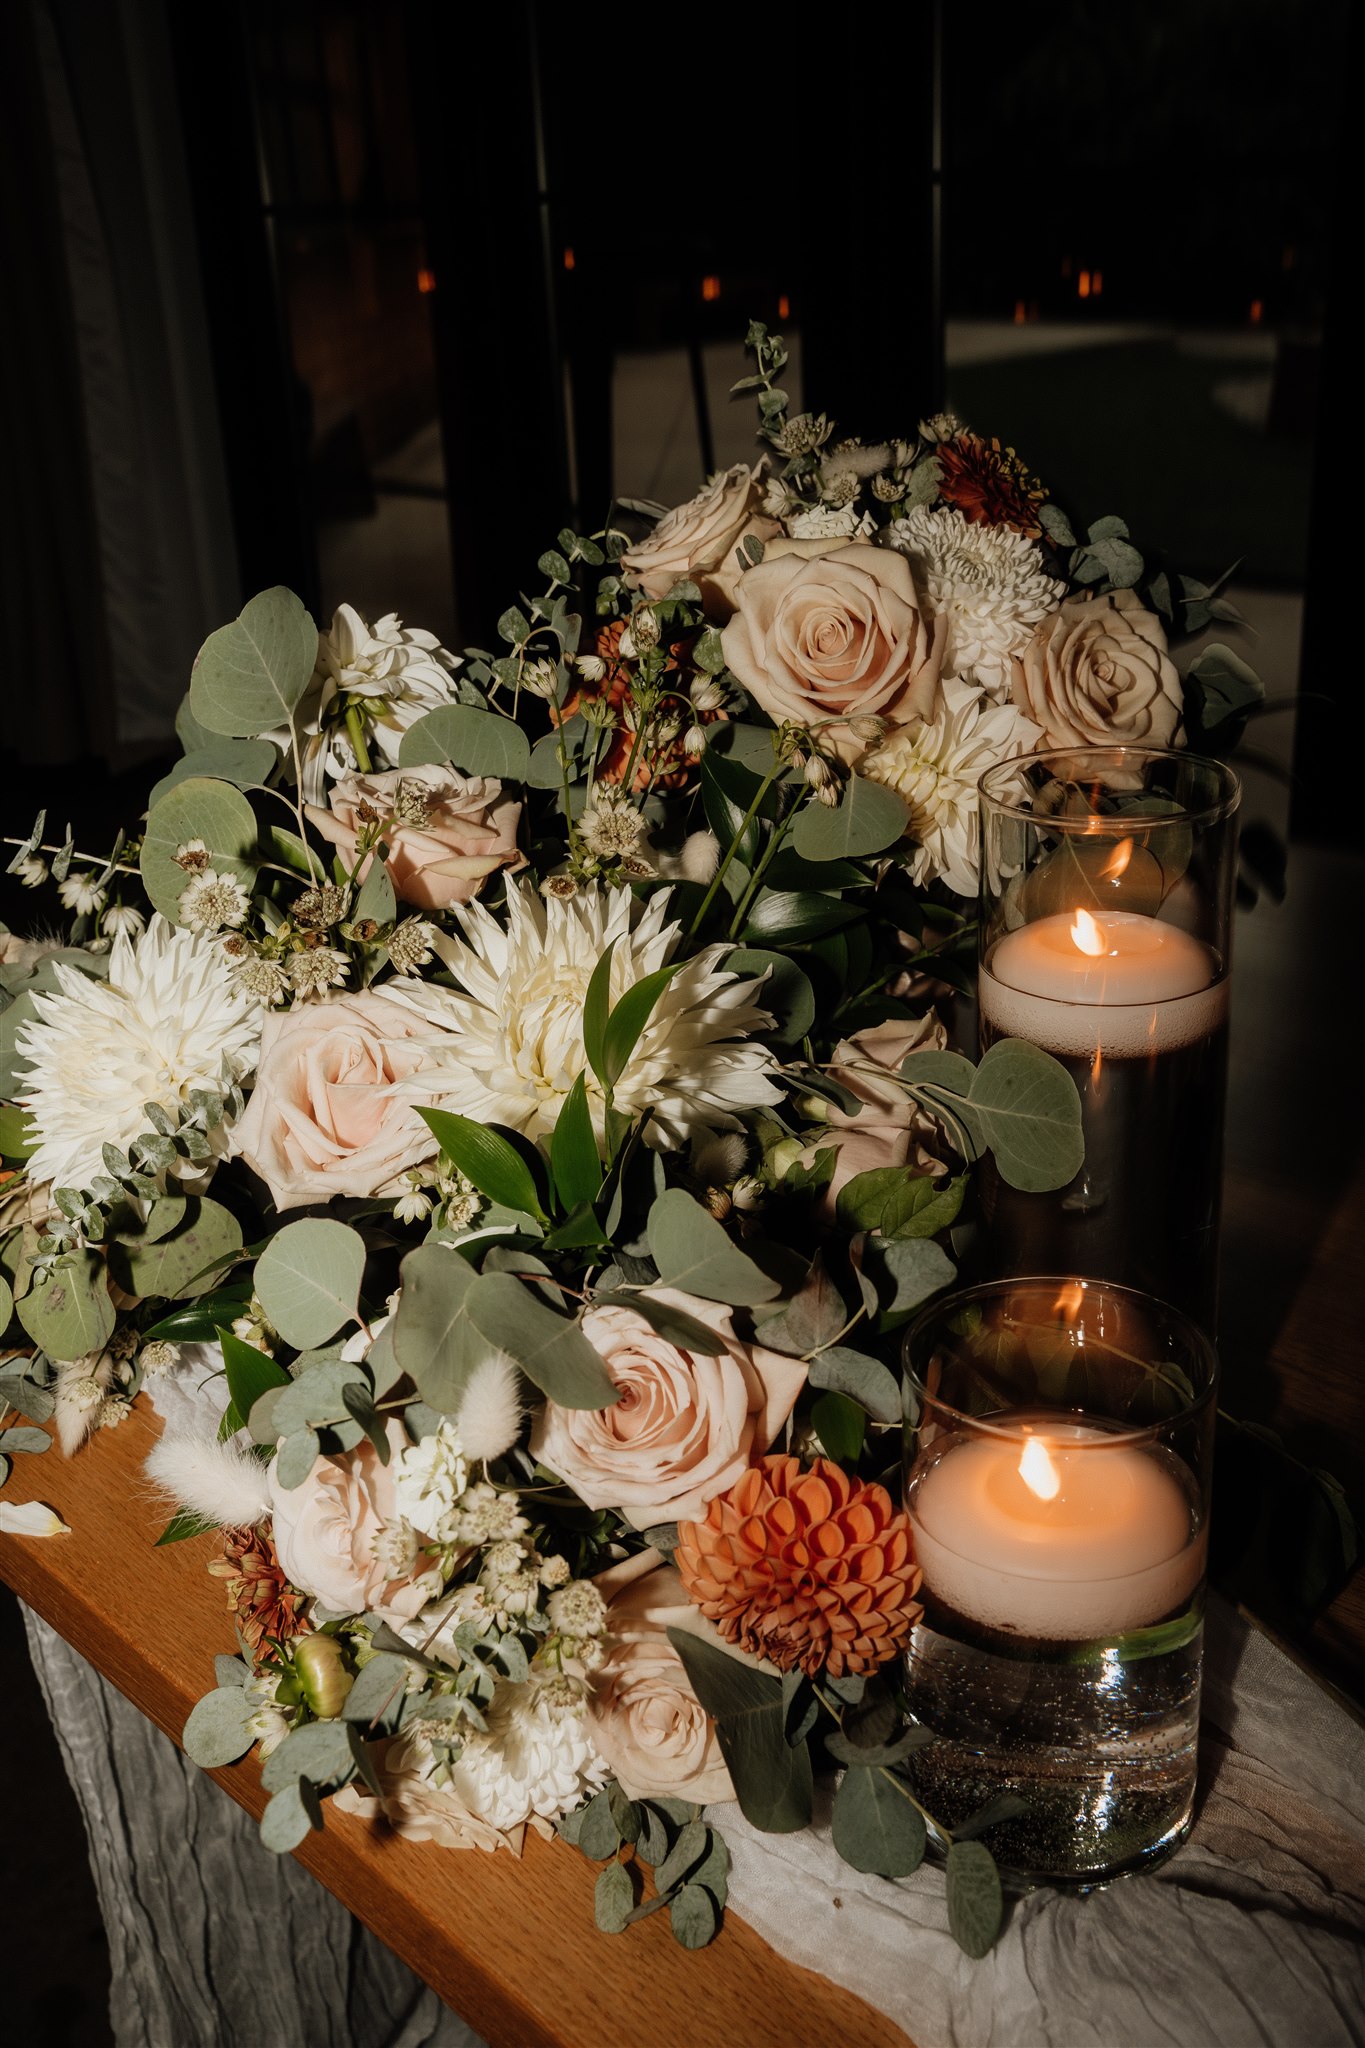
column 775, row 839
column 709, row 898
column 355, row 732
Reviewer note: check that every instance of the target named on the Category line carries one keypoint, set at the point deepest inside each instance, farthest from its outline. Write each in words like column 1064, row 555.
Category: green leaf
column 308, row 1279
column 727, row 790
column 19, row 1438
column 249, row 1375
column 549, row 1348
column 320, row 1750
column 200, row 1320
column 249, row 676
column 178, row 1263
column 874, row 1825
column 296, row 1457
column 693, row 1916
column 596, row 1011
column 869, row 819
column 598, row 1834
column 477, row 742
column 433, row 1338
column 316, row 1399
column 16, row 1139
column 874, row 1755
column 975, row 1902
column 216, row 1732
column 495, row 1168
column 841, row 1426
column 907, row 1271
column 694, row 1254
column 68, row 1311
column 377, row 900
column 786, row 993
column 197, row 809
column 688, row 1851
column 290, row 1816
column 613, row 1899
column 628, row 1020
column 184, row 1525
column 1024, row 1105
column 379, row 1691
column 923, row 1210
column 244, row 763
column 815, row 1315
column 772, row 1778
column 784, row 917
column 864, row 1380
column 671, row 1322
column 6, row 1304
column 574, row 1160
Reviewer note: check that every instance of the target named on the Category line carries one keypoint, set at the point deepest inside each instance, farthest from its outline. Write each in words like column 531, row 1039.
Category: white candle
column 1058, row 1530
column 1113, row 981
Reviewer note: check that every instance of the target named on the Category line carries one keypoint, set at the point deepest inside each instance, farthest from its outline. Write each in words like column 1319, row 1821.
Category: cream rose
column 699, row 540
column 323, row 1119
column 646, row 1720
column 329, row 1533
column 450, row 832
column 891, row 1130
column 1097, row 672
column 686, row 1425
column 823, row 632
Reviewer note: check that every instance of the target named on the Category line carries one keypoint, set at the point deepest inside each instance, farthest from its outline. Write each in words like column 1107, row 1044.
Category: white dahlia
column 537, row 1759
column 163, row 1023
column 404, row 671
column 936, row 765
column 509, row 1049
column 988, row 582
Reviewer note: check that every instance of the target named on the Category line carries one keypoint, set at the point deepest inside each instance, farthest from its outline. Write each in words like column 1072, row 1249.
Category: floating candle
column 1057, row 1530
column 1155, row 985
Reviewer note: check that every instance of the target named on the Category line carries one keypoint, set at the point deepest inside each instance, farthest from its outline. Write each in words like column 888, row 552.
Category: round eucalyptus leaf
column 875, row 1827
column 68, row 1310
column 216, row 1732
column 240, row 762
column 975, row 1901
column 477, row 742
column 868, row 820
column 198, row 808
column 694, row 1254
column 291, row 1816
column 174, row 1265
column 249, row 676
column 308, row 1279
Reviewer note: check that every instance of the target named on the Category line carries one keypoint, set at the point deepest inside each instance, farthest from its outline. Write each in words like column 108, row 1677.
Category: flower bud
column 786, row 1154
column 748, row 1193
column 320, row 1663
column 540, row 677
column 644, row 627
column 591, row 667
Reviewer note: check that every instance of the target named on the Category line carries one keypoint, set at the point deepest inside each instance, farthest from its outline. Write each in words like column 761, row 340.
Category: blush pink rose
column 891, row 1129
column 323, row 1119
column 1097, row 671
column 328, row 1532
column 449, row 832
column 829, row 631
column 646, row 1720
column 699, row 540
column 686, row 1426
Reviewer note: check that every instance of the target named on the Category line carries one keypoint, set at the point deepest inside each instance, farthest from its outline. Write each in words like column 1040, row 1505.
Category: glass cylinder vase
column 1107, row 878
column 1058, row 1449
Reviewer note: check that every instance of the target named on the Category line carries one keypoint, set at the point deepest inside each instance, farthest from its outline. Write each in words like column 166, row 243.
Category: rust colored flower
column 808, row 1568
column 989, row 484
column 668, row 765
column 265, row 1607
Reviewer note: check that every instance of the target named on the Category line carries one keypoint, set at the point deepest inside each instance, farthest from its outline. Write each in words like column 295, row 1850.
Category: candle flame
column 1086, row 935
column 1037, row 1470
column 1116, row 865
column 1070, row 1301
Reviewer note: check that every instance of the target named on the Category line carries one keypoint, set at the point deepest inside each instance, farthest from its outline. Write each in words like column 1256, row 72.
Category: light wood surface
column 509, row 1944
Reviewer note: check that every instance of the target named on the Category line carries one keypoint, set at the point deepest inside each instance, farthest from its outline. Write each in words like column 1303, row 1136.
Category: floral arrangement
column 497, row 1104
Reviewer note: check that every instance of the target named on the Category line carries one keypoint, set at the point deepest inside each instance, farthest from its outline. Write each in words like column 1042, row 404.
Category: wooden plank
column 510, row 1945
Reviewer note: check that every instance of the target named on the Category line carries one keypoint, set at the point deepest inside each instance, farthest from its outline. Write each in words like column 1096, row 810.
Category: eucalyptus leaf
column 868, row 820
column 874, row 1825
column 680, row 1328
column 613, row 1899
column 772, row 1778
column 694, row 1916
column 813, row 1317
column 290, row 1816
column 320, row 1750
column 296, row 1457
column 68, row 1310
column 308, row 1279
column 216, row 1732
column 975, row 1901
column 249, row 676
column 694, row 1254
column 316, row 1399
column 379, row 1692
column 1024, row 1105
column 477, row 742
column 244, row 763
column 905, row 1272
column 20, row 1438
column 198, row 808
column 862, row 1379
column 841, row 1426
column 433, row 1340
column 549, row 1348
column 598, row 1834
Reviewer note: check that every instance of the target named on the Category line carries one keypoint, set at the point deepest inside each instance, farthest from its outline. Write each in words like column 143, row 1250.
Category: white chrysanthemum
column 161, row 1025
column 537, row 1758
column 986, row 581
column 429, row 1478
column 936, row 765
column 509, row 1049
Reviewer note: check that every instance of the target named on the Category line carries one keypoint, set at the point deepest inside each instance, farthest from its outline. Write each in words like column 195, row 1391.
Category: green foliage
column 975, row 1901
column 694, row 1254
column 249, row 1375
column 68, row 1310
column 197, row 808
column 549, row 1348
column 477, row 742
column 877, row 1826
column 249, row 676
column 869, row 819
column 486, row 1160
column 308, row 1279
column 183, row 1260
column 433, row 1339
column 772, row 1778
column 244, row 763
column 1019, row 1103
column 786, row 992
column 574, row 1159
column 857, row 1377
column 216, row 1732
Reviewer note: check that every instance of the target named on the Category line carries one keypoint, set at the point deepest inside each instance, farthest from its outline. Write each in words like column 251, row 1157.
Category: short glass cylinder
column 1107, row 878
column 1058, row 1451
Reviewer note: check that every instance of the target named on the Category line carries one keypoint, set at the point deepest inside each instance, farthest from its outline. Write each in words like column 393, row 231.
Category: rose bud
column 320, row 1663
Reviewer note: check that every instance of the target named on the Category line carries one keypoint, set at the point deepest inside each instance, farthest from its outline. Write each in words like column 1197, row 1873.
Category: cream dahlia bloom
column 537, row 1760
column 935, row 767
column 508, row 1048
column 400, row 671
column 164, row 1023
column 987, row 582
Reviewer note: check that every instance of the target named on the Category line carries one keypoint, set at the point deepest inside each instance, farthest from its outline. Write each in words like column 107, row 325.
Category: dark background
column 370, row 298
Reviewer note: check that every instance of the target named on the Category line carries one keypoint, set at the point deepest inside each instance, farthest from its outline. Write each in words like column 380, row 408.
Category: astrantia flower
column 987, row 582
column 811, row 1569
column 322, row 967
column 935, row 767
column 163, row 1023
column 213, row 902
column 611, row 825
column 509, row 1049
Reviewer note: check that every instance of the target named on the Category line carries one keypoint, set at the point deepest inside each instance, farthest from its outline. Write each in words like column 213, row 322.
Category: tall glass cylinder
column 1107, row 878
column 1058, row 1448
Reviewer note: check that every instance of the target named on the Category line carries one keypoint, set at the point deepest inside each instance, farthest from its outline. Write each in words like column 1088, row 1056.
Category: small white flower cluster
column 457, row 1199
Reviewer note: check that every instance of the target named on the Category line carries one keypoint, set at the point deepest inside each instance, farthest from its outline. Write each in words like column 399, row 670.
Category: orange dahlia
column 808, row 1568
column 261, row 1600
column 989, row 484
